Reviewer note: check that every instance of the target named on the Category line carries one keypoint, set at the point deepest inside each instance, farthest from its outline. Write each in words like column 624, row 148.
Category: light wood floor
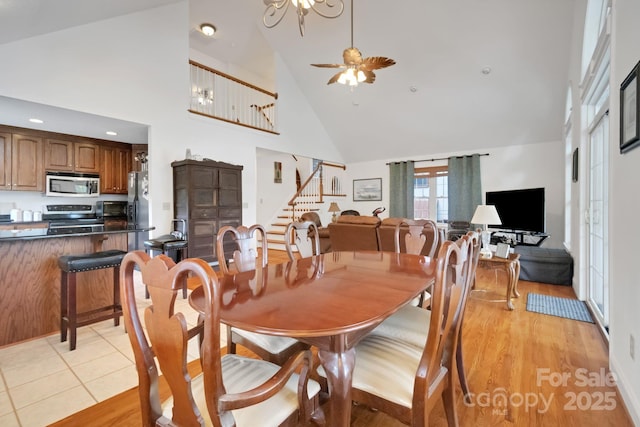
column 508, row 355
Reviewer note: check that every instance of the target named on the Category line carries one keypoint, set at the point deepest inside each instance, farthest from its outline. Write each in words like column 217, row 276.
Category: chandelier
column 276, row 9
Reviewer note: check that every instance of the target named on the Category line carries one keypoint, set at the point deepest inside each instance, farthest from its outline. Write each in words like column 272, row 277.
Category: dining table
column 329, row 301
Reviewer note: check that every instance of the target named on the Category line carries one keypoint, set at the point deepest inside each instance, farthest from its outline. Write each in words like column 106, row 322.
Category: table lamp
column 334, row 208
column 485, row 215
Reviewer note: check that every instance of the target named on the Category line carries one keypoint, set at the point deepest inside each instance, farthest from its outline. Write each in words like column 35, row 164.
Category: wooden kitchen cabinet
column 21, row 162
column 71, row 156
column 208, row 195
column 115, row 165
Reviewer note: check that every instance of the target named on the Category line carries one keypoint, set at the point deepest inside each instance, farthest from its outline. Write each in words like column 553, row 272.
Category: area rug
column 560, row 307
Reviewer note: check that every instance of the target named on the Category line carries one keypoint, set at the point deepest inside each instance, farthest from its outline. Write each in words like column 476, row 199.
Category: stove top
column 70, row 215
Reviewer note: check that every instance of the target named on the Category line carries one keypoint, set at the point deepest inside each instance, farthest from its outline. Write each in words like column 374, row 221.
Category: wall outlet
column 632, row 347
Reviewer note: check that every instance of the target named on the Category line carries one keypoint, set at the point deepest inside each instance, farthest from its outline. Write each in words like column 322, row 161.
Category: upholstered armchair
column 323, row 232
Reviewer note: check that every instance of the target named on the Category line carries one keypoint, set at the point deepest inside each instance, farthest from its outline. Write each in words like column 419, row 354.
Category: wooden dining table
column 329, row 301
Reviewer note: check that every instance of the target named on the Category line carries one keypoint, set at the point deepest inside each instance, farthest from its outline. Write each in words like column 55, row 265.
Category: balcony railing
column 221, row 96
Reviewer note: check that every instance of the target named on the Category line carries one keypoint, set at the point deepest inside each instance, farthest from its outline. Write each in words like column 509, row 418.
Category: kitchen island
column 30, row 277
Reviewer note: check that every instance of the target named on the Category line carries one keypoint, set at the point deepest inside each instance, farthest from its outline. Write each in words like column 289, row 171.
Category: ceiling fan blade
column 334, row 78
column 329, row 65
column 376, row 62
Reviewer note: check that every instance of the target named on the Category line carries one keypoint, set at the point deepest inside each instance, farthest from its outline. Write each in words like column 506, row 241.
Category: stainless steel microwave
column 67, row 184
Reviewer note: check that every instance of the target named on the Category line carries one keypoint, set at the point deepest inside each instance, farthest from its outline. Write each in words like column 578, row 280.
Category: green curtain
column 465, row 189
column 401, row 182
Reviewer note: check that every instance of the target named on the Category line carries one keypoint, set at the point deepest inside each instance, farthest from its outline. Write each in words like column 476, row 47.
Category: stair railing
column 312, row 190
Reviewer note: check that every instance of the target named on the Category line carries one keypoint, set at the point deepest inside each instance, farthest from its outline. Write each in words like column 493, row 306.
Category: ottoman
column 545, row 265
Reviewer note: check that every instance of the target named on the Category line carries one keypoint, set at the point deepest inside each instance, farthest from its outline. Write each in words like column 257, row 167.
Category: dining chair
column 411, row 324
column 410, row 237
column 304, row 236
column 404, row 380
column 272, row 348
column 415, row 238
column 230, row 390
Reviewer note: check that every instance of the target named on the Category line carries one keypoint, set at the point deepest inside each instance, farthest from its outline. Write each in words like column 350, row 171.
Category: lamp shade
column 334, row 207
column 486, row 214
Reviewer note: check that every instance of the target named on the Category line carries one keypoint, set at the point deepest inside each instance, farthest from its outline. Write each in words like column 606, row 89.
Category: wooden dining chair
column 272, row 348
column 304, row 236
column 230, row 390
column 473, row 238
column 410, row 236
column 404, row 380
column 411, row 324
column 415, row 238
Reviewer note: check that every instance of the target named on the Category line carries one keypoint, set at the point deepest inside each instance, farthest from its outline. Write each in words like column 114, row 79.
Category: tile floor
column 41, row 381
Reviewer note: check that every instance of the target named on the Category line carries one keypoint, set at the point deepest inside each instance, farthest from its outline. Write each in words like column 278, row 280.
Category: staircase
column 324, row 181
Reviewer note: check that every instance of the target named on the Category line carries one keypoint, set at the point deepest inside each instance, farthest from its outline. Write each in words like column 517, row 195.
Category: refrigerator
column 138, row 208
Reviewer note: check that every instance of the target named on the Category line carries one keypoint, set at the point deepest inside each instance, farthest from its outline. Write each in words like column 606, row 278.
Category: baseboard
column 632, row 405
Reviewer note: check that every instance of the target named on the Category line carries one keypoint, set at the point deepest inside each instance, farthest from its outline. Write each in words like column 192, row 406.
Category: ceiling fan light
column 361, row 76
column 343, row 78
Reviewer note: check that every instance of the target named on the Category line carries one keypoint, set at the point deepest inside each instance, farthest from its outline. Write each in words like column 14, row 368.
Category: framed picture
column 365, row 190
column 629, row 108
column 277, row 172
column 574, row 165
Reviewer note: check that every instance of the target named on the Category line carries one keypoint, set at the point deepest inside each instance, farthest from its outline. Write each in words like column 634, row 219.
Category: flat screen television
column 519, row 210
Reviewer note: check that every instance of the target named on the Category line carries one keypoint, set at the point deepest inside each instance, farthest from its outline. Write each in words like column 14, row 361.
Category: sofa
column 325, row 241
column 387, row 231
column 354, row 233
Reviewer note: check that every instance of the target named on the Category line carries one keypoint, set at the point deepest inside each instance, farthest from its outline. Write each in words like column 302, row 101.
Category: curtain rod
column 433, row 160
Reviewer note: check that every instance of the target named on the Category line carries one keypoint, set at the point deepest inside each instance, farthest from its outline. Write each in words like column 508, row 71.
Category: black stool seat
column 70, row 265
column 94, row 261
column 165, row 244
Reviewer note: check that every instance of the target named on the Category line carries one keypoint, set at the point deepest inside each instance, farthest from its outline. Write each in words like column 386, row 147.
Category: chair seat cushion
column 242, row 374
column 409, row 324
column 271, row 343
column 92, row 261
column 385, row 367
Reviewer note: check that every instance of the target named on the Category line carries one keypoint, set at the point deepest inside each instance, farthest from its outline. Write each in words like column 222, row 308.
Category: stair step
column 276, row 232
column 279, row 224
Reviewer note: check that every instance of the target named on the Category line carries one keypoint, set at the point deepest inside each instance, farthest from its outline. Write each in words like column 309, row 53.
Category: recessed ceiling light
column 486, row 70
column 208, row 30
column 413, row 89
column 36, row 121
column 112, row 133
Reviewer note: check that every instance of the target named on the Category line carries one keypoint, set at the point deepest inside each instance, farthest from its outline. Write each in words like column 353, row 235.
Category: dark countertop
column 23, row 232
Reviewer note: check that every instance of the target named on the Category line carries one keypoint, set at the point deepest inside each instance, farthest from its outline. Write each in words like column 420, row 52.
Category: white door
column 597, row 220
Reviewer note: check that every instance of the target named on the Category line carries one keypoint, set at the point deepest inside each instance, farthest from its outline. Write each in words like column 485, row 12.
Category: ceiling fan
column 356, row 68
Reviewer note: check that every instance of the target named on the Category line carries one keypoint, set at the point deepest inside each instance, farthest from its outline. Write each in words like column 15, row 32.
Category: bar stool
column 173, row 245
column 70, row 265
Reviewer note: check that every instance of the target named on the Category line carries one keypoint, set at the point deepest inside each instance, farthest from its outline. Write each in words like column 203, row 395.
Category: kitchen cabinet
column 115, row 165
column 208, row 195
column 21, row 162
column 71, row 156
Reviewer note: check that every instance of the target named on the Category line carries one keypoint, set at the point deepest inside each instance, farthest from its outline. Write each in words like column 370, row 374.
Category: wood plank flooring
column 524, row 369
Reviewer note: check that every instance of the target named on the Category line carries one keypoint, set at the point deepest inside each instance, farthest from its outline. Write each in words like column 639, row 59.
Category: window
column 430, row 193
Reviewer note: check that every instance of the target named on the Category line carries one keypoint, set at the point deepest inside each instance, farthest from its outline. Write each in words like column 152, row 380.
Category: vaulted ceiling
column 436, row 99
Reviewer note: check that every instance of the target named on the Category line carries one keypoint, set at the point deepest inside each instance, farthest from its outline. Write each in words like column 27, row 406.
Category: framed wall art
column 629, row 110
column 365, row 190
column 575, row 161
column 277, row 172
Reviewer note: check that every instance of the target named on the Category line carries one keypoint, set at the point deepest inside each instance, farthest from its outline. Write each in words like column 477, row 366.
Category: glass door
column 597, row 220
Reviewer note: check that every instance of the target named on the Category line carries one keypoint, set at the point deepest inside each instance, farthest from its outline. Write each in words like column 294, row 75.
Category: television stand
column 518, row 238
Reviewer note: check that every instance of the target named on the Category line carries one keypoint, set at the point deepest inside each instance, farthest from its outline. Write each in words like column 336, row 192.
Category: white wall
column 506, row 168
column 124, row 68
column 624, row 206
